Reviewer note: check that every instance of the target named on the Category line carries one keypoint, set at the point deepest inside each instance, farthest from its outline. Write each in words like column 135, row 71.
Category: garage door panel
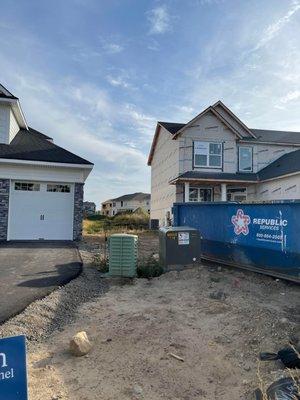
column 40, row 214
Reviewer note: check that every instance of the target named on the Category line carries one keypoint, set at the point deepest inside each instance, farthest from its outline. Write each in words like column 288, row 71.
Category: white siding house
column 41, row 184
column 127, row 203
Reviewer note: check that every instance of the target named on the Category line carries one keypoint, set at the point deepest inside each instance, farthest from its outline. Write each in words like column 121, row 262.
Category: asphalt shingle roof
column 263, row 135
column 5, row 94
column 219, row 176
column 286, row 164
column 133, row 196
column 32, row 145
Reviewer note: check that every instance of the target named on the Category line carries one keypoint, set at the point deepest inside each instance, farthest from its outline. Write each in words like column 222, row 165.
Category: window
column 58, row 188
column 28, row 187
column 200, row 194
column 208, row 155
column 245, row 159
column 238, row 194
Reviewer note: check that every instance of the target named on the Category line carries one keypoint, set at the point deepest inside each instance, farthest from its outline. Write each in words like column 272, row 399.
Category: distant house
column 127, row 203
column 216, row 157
column 89, row 208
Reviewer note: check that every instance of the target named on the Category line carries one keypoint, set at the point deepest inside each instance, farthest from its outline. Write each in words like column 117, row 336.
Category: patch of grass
column 96, row 217
column 98, row 224
column 149, row 268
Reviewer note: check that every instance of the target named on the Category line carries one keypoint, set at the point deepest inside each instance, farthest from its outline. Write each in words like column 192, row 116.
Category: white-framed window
column 208, row 154
column 27, row 186
column 200, row 194
column 51, row 187
column 245, row 159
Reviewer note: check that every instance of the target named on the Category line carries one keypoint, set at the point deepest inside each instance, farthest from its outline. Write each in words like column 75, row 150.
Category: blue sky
column 97, row 75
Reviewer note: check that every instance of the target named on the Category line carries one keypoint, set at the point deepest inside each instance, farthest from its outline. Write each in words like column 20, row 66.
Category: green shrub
column 101, row 262
column 96, row 217
column 149, row 268
column 121, row 222
column 132, row 220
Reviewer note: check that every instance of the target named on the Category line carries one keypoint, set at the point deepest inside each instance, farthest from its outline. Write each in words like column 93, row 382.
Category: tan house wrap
column 217, row 136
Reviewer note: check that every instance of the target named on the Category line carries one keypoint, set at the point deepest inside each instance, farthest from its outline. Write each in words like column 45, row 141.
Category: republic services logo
column 241, row 222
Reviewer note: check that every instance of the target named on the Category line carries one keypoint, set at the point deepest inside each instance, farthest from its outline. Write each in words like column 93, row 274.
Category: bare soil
column 215, row 319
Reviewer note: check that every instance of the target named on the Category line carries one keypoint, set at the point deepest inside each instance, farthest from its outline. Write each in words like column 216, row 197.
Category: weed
column 98, row 224
column 101, row 262
column 149, row 268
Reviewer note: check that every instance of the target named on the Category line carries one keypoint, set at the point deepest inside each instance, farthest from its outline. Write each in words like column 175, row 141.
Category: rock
column 80, row 344
column 284, row 321
column 156, row 257
column 218, row 295
column 215, row 279
column 295, row 341
column 219, row 269
column 138, row 392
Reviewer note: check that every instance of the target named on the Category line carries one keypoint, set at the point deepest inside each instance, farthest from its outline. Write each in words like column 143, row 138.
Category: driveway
column 31, row 270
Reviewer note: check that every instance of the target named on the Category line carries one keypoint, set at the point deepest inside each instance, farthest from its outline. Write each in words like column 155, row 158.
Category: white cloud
column 273, row 30
column 144, row 123
column 153, row 45
column 119, row 81
column 160, row 20
column 113, row 48
column 290, row 96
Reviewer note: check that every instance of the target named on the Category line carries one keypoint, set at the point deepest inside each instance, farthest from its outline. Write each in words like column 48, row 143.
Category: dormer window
column 208, row 154
column 245, row 159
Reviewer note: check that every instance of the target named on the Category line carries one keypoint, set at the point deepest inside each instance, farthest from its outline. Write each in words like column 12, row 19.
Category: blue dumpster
column 261, row 237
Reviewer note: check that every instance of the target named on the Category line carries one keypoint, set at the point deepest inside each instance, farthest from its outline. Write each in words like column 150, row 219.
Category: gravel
column 42, row 317
column 53, row 312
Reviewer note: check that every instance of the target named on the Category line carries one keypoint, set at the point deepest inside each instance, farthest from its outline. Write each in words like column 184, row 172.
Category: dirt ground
column 216, row 319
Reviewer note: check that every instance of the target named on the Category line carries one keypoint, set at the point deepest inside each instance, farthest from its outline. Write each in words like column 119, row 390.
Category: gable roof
column 31, row 145
column 177, row 128
column 13, row 102
column 5, row 94
column 215, row 109
column 256, row 135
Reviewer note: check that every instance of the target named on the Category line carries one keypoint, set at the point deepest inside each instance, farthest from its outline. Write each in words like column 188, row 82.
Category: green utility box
column 123, row 255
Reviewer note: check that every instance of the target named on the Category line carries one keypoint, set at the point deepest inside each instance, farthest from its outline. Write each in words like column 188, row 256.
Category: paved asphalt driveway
column 31, row 270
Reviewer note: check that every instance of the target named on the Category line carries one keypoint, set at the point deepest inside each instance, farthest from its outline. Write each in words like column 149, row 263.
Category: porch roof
column 220, row 177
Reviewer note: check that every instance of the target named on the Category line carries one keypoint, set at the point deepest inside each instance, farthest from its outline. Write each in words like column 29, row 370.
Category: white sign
column 183, row 238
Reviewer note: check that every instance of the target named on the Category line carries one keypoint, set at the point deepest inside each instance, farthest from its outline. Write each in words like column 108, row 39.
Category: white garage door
column 40, row 210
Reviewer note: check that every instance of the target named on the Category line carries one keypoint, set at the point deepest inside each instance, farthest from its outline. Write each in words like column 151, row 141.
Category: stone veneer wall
column 78, row 211
column 4, row 202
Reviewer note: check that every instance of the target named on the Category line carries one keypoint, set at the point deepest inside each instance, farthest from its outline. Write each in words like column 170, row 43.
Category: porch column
column 186, row 191
column 223, row 192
